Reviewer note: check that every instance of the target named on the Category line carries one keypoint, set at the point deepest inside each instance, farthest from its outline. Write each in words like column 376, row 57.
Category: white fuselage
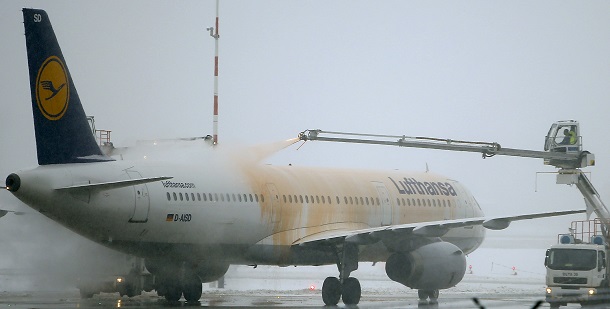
column 244, row 211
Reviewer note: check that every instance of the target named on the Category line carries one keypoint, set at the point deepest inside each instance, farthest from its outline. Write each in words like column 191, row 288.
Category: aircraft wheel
column 192, row 288
column 422, row 294
column 173, row 293
column 433, row 294
column 351, row 291
column 425, row 294
column 171, row 289
column 331, row 291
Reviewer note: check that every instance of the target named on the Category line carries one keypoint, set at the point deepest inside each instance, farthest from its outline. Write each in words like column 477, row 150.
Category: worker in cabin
column 566, row 137
column 573, row 137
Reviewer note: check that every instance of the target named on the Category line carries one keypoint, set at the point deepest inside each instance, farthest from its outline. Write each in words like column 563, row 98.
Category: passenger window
column 262, row 198
column 338, row 200
column 186, row 195
column 192, row 196
column 290, row 198
column 306, row 199
column 377, row 200
column 345, row 198
column 351, row 200
column 361, row 201
column 356, row 198
column 169, row 197
column 317, row 199
column 239, row 198
column 301, row 199
column 251, row 200
column 284, row 196
column 256, row 197
column 398, row 201
column 181, row 198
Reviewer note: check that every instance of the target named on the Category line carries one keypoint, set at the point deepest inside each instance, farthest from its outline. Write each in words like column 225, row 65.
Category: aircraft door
column 142, row 200
column 386, row 205
column 274, row 200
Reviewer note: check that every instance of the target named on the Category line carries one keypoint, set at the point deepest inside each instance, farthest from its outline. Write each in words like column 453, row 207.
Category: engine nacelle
column 439, row 265
column 209, row 272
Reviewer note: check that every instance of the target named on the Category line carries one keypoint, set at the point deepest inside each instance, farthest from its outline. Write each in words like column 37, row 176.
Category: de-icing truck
column 577, row 267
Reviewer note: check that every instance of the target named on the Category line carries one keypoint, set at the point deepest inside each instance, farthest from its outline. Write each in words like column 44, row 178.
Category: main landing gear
column 333, row 289
column 174, row 280
column 424, row 295
column 173, row 287
column 346, row 286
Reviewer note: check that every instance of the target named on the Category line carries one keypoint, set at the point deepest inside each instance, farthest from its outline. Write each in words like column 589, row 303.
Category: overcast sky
column 473, row 70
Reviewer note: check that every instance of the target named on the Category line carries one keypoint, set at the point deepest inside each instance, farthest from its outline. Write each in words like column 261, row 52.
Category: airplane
column 190, row 220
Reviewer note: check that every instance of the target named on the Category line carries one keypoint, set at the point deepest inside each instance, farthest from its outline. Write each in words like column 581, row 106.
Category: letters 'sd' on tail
column 62, row 132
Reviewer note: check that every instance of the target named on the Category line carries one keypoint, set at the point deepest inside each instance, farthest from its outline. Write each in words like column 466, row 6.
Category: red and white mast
column 214, row 34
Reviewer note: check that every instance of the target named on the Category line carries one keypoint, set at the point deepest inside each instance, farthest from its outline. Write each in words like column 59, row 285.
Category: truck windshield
column 572, row 259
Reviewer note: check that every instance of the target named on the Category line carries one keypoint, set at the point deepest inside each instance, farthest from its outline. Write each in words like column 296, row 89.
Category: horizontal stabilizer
column 112, row 184
column 4, row 212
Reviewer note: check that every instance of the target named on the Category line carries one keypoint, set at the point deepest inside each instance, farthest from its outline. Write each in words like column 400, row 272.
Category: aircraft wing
column 424, row 229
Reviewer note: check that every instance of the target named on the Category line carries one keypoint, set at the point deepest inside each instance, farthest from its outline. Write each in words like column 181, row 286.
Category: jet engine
column 209, row 272
column 434, row 266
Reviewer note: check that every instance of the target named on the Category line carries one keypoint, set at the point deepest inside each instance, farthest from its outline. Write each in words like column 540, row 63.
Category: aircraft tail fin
column 62, row 131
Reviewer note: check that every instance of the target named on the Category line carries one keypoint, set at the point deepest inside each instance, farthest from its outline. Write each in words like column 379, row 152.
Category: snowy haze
column 471, row 70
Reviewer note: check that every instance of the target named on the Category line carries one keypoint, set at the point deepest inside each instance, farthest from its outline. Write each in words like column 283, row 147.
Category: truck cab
column 577, row 269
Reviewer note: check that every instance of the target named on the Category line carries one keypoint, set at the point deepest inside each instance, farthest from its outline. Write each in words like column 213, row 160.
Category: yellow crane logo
column 52, row 88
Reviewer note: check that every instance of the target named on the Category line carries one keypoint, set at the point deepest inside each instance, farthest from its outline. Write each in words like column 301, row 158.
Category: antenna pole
column 214, row 34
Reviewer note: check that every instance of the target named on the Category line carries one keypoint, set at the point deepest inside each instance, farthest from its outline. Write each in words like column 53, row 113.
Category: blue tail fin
column 62, row 132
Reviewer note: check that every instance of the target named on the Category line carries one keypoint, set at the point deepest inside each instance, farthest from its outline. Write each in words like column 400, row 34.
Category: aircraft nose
column 13, row 182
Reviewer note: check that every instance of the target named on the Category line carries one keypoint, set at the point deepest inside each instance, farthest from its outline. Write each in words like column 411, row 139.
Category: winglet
column 62, row 132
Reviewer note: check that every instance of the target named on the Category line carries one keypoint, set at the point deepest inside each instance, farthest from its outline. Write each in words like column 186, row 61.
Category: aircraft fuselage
column 242, row 212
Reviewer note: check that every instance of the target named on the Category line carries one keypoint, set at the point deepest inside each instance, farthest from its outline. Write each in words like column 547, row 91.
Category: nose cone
column 13, row 182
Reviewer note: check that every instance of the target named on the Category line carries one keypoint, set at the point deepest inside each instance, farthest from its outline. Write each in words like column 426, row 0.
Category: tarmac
column 291, row 287
column 490, row 292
